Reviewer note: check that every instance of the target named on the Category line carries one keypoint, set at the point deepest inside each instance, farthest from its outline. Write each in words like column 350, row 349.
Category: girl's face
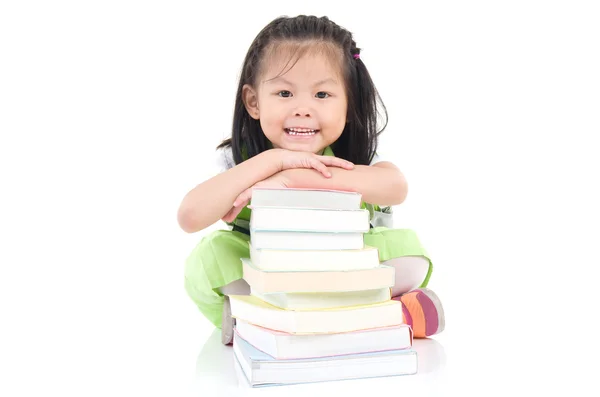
column 304, row 109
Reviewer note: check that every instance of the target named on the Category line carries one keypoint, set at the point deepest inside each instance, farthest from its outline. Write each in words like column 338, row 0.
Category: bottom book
column 260, row 369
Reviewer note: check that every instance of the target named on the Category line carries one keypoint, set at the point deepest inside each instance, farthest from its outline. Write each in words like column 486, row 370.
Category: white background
column 109, row 114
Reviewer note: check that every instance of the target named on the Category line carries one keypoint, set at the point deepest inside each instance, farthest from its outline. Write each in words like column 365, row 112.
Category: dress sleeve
column 376, row 159
column 379, row 157
column 385, row 152
column 223, row 159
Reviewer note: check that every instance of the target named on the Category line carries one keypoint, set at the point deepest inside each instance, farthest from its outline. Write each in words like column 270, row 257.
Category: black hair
column 358, row 141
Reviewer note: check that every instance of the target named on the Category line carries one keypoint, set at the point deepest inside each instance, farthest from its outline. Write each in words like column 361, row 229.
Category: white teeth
column 301, row 131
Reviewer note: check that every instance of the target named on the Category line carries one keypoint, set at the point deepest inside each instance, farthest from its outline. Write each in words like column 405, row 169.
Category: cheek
column 340, row 110
column 272, row 121
column 271, row 111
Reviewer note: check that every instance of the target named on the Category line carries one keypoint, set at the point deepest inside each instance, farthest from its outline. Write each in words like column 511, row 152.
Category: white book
column 301, row 260
column 260, row 369
column 306, row 240
column 309, row 220
column 305, row 198
column 284, row 346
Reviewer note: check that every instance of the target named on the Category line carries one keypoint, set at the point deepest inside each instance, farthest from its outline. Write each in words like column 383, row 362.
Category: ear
column 250, row 98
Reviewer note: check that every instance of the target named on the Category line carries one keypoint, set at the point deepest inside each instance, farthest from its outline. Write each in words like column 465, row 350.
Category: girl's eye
column 322, row 95
column 285, row 94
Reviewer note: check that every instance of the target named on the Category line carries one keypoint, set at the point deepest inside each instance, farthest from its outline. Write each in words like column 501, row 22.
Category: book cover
column 332, row 259
column 269, row 281
column 260, row 369
column 297, row 240
column 305, row 198
column 309, row 220
column 282, row 345
column 258, row 312
column 324, row 300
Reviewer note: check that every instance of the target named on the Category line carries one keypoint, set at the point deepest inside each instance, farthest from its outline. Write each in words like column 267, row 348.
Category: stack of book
column 320, row 306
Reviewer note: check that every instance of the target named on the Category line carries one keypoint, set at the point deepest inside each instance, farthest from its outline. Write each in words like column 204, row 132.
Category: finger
column 336, row 162
column 244, row 196
column 228, row 217
column 244, row 204
column 234, row 212
column 319, row 166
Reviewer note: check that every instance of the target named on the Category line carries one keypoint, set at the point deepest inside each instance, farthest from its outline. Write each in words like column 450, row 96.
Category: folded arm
column 382, row 184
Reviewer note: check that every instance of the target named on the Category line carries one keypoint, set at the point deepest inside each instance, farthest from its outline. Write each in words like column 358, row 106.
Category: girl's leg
column 410, row 272
column 402, row 249
column 422, row 308
column 212, row 271
column 237, row 287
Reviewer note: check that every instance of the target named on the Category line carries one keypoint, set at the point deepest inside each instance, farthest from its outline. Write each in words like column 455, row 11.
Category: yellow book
column 264, row 281
column 258, row 312
column 324, row 300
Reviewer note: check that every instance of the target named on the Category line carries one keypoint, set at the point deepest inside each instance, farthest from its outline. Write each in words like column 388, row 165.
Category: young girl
column 305, row 116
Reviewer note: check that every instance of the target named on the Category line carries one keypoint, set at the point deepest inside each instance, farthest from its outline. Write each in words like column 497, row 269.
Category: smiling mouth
column 301, row 131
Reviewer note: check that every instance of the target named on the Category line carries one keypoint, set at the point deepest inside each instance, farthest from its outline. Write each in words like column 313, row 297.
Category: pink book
column 305, row 198
column 282, row 345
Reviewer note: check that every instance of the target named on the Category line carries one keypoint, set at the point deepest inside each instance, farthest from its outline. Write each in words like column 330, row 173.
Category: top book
column 305, row 198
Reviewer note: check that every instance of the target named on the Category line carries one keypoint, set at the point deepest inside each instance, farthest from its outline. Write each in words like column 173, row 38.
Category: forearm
column 383, row 186
column 211, row 200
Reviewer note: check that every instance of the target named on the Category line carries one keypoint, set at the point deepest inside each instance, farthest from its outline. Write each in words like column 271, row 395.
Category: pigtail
column 359, row 140
column 369, row 106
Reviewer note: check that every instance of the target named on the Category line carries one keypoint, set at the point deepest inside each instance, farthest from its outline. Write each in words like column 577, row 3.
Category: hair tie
column 356, row 56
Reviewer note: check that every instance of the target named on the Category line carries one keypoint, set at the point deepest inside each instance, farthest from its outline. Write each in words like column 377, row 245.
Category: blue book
column 260, row 369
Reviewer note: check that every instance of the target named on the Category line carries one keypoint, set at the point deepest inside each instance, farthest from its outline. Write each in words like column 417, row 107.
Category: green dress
column 215, row 261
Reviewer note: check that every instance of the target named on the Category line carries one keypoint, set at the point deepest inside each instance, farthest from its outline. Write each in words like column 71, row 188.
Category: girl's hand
column 278, row 180
column 292, row 159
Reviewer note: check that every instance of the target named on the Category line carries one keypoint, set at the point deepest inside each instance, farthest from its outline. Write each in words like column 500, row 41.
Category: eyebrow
column 318, row 83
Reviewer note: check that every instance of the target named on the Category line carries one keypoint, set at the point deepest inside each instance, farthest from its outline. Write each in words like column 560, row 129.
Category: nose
column 302, row 112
